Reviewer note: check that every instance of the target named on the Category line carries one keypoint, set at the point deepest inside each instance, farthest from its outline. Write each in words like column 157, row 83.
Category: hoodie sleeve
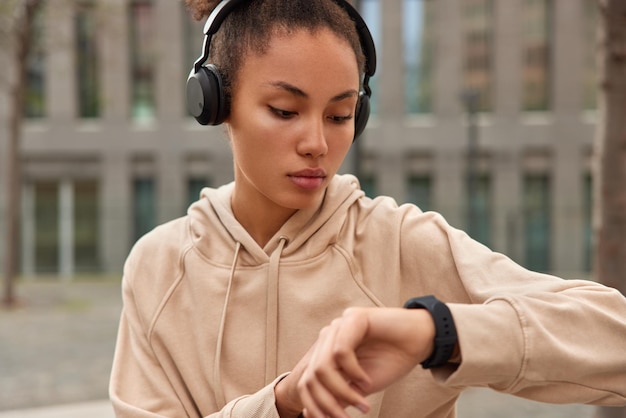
column 261, row 404
column 140, row 387
column 138, row 383
column 524, row 333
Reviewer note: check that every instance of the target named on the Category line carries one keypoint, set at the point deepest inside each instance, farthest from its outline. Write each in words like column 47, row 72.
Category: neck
column 261, row 220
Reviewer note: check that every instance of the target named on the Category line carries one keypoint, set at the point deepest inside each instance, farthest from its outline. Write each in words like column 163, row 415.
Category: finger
column 318, row 403
column 315, row 399
column 329, row 401
column 327, row 371
column 351, row 333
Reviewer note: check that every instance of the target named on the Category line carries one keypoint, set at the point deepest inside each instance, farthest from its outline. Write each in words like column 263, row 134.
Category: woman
column 223, row 308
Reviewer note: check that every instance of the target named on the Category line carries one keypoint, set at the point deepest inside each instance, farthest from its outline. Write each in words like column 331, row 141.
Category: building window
column 478, row 50
column 86, row 231
column 142, row 60
column 419, row 49
column 144, row 206
column 34, row 100
column 537, row 222
column 47, row 227
column 479, row 209
column 194, row 187
column 87, row 60
column 371, row 11
column 368, row 184
column 419, row 191
column 590, row 42
column 537, row 40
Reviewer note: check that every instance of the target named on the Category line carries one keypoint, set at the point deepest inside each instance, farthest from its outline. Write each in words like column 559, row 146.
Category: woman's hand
column 288, row 403
column 360, row 353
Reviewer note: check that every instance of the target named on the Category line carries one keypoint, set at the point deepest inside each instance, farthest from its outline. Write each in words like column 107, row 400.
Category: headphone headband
column 212, row 25
column 367, row 41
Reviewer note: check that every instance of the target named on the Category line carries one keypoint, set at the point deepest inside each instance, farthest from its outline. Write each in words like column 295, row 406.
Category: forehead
column 318, row 63
column 298, row 45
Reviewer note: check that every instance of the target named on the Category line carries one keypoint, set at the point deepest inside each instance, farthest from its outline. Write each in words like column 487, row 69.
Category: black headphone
column 205, row 92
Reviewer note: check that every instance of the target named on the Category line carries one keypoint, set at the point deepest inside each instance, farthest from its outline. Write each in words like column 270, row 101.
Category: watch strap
column 445, row 331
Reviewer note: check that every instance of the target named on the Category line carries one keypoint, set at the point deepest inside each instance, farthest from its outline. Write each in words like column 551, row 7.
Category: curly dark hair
column 249, row 27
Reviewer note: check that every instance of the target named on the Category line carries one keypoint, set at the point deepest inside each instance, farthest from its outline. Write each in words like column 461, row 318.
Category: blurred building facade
column 483, row 111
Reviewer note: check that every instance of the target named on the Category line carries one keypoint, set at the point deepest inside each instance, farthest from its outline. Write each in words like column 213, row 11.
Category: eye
column 281, row 113
column 340, row 119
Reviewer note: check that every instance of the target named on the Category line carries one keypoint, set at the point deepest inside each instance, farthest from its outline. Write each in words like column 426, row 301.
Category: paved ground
column 56, row 351
column 92, row 409
column 57, row 346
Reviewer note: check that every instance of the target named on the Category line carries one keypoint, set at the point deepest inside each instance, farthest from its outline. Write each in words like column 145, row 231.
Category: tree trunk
column 610, row 158
column 22, row 41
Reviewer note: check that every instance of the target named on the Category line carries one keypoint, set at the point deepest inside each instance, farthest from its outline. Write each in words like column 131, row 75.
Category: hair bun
column 200, row 9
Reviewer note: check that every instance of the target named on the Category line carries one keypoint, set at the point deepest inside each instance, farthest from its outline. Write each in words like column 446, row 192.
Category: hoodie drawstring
column 219, row 391
column 271, row 330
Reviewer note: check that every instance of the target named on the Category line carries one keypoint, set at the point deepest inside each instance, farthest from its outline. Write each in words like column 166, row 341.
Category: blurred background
column 485, row 114
column 484, row 111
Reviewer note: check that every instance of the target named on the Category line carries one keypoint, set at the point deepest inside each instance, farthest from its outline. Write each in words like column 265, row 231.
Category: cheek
column 264, row 136
column 256, row 147
column 255, row 127
column 340, row 148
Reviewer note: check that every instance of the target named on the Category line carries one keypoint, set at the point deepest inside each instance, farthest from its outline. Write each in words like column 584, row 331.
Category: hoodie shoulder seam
column 170, row 291
column 354, row 275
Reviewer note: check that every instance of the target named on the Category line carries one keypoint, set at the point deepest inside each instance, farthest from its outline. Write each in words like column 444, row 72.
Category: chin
column 305, row 200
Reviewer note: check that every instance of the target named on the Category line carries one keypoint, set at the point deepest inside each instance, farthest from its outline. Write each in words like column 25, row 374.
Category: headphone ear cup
column 362, row 114
column 205, row 96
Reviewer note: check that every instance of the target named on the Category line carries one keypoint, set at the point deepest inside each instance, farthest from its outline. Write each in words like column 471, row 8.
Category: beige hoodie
column 211, row 321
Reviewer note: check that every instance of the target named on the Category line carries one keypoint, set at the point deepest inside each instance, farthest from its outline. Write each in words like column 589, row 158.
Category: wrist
column 422, row 334
column 286, row 406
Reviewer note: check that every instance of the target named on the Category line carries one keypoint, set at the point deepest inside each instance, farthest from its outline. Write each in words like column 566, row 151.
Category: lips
column 308, row 179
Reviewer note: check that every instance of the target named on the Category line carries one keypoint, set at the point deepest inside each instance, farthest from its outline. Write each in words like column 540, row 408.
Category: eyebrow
column 300, row 93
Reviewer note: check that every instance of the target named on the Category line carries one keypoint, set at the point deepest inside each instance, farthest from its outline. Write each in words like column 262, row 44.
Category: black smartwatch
column 445, row 331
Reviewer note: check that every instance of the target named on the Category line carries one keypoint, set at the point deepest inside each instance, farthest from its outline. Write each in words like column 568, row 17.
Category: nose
column 313, row 142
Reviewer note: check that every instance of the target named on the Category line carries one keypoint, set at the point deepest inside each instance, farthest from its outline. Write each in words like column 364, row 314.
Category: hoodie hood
column 323, row 221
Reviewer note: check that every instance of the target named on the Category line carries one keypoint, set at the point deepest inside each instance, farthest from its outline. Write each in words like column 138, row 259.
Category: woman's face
column 292, row 119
